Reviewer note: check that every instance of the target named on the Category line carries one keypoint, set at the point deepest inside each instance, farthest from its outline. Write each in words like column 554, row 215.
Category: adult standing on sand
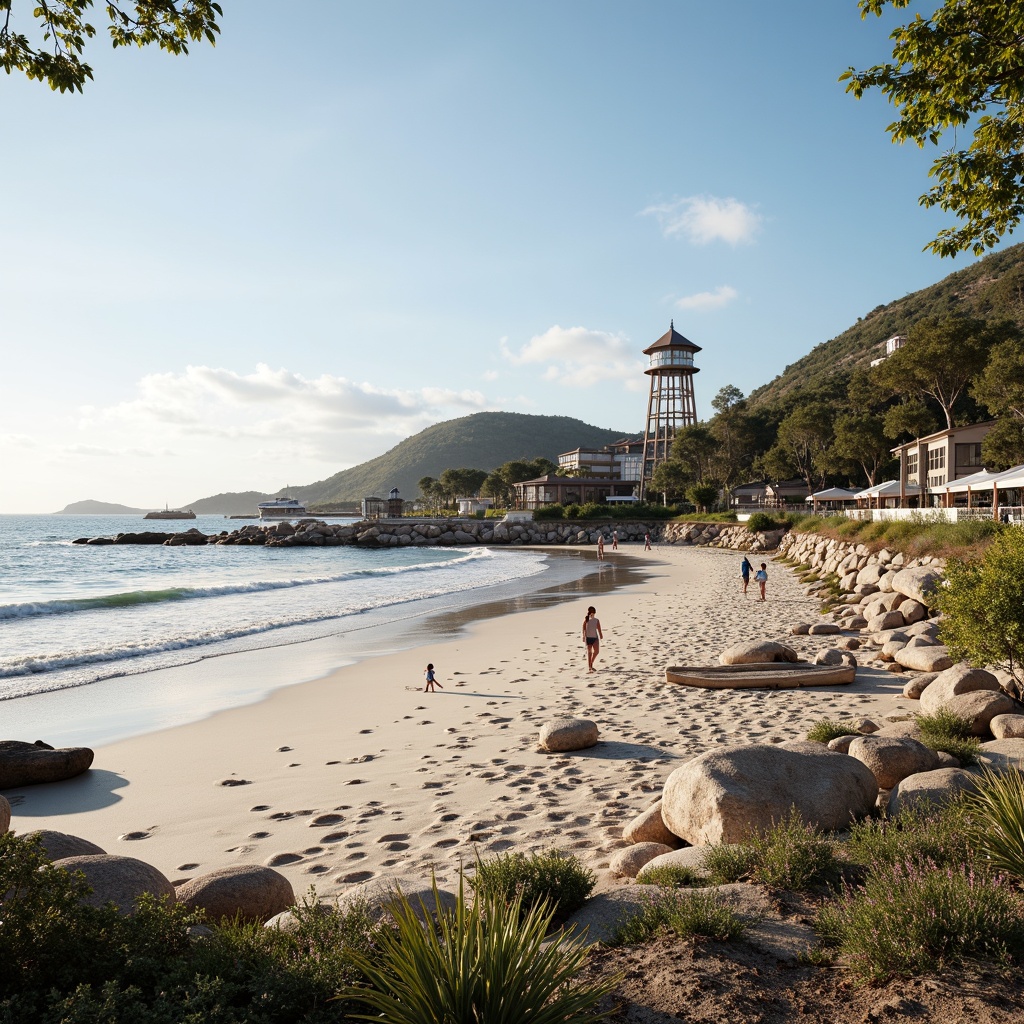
column 592, row 636
column 600, row 547
column 745, row 570
column 647, row 542
column 615, row 540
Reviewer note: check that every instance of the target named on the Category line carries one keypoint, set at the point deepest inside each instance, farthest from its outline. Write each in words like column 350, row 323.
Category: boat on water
column 171, row 513
column 281, row 508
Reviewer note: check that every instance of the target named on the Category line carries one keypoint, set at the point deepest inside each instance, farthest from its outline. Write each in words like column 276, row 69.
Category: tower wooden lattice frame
column 670, row 403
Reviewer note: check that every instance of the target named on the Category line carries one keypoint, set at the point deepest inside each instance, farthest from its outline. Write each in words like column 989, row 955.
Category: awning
column 984, row 480
column 887, row 489
column 832, row 494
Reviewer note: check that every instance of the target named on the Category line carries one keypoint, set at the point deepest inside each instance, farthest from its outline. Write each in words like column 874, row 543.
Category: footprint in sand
column 334, row 837
column 253, row 835
column 260, row 807
column 355, row 876
column 186, row 867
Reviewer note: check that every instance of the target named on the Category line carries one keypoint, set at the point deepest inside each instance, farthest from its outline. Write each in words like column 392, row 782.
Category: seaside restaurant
column 572, row 490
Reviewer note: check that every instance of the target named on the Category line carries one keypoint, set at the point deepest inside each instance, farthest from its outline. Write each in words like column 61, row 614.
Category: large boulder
column 626, row 863
column 5, row 815
column 937, row 787
column 980, row 707
column 59, row 845
column 379, row 894
column 885, row 620
column 918, row 684
column 924, row 659
column 689, row 857
column 756, row 652
column 28, row 764
column 918, row 584
column 1002, row 754
column 564, row 734
column 892, row 758
column 955, row 680
column 648, row 827
column 721, row 795
column 250, row 892
column 117, row 880
column 1005, row 727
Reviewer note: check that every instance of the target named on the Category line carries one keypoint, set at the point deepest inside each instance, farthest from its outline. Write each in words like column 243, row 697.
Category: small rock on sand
column 564, row 734
column 118, row 880
column 249, row 891
column 626, row 863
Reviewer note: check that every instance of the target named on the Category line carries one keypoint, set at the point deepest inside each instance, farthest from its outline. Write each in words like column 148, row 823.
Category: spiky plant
column 997, row 811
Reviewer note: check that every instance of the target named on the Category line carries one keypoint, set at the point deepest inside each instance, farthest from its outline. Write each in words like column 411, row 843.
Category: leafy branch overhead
column 963, row 66
column 49, row 45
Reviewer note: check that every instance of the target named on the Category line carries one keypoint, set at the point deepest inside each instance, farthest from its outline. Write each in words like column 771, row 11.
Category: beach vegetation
column 702, row 495
column 700, row 914
column 825, row 730
column 673, row 876
column 983, row 605
column 997, row 820
column 923, row 833
column 560, row 880
column 640, row 510
column 489, row 959
column 761, row 522
column 949, row 732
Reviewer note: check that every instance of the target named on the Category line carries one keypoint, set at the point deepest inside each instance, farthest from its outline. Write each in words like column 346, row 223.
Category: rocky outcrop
column 721, row 795
column 955, row 680
column 30, row 764
column 250, row 892
column 117, row 880
column 563, row 734
column 59, row 845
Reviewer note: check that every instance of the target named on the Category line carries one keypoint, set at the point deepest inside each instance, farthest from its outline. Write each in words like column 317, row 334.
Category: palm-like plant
column 482, row 962
column 997, row 813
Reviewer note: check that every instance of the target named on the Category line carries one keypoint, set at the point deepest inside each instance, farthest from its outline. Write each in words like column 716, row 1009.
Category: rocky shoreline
column 454, row 532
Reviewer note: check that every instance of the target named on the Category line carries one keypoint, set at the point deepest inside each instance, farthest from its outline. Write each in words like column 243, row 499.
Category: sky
column 270, row 260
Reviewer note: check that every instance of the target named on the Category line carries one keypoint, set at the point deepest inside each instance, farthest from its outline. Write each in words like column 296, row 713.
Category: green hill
column 992, row 288
column 483, row 440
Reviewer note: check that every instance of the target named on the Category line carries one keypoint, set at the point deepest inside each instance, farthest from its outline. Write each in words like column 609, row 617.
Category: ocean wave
column 127, row 599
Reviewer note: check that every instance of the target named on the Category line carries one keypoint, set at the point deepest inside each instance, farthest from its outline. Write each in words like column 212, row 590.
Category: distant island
column 99, row 508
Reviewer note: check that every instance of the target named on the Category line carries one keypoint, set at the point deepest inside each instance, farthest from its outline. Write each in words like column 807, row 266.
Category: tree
column 671, row 479
column 1003, row 446
column 462, row 482
column 983, row 602
column 963, row 65
column 861, row 439
column 693, row 447
column 62, row 30
column 1001, row 385
column 733, row 430
column 805, row 436
column 703, row 496
column 940, row 359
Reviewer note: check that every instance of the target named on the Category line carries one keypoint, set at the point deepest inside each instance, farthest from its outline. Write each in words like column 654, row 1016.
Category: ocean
column 72, row 615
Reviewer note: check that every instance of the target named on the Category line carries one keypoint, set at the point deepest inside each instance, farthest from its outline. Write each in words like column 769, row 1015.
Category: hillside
column 98, row 508
column 230, row 503
column 483, row 440
column 992, row 288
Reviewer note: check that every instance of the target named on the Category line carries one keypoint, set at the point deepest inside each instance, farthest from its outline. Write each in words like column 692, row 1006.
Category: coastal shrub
column 915, row 918
column 951, row 733
column 487, row 960
column 921, row 833
column 728, row 863
column 574, row 511
column 672, row 876
column 687, row 914
column 62, row 961
column 558, row 879
column 759, row 522
column 826, row 730
column 546, row 512
column 983, row 605
column 997, row 820
column 702, row 495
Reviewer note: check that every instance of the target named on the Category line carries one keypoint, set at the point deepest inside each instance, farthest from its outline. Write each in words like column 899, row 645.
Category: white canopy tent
column 879, row 492
column 830, row 495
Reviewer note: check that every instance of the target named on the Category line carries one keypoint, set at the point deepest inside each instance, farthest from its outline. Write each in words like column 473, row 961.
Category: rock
column 626, row 863
column 955, row 680
column 288, row 921
column 871, row 573
column 690, row 857
column 1002, row 754
column 885, row 620
column 899, row 729
column 892, row 758
column 721, row 795
column 1003, row 727
column 648, row 827
column 378, row 894
column 800, row 629
column 891, row 648
column 980, row 706
column 563, row 734
column 823, row 629
column 919, row 584
column 60, row 845
column 913, row 611
column 756, row 652
column 916, row 686
column 117, row 880
column 841, row 744
column 924, row 659
column 29, row 764
column 830, row 656
column 5, row 815
column 249, row 891
column 937, row 787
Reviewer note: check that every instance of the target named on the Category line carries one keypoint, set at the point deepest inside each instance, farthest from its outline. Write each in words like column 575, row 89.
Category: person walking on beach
column 615, row 540
column 745, row 570
column 592, row 636
column 761, row 577
column 647, row 542
column 600, row 547
column 431, row 679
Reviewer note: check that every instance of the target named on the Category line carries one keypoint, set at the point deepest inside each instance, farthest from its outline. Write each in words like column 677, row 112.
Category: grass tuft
column 997, row 825
column 826, row 730
column 951, row 733
column 688, row 914
column 557, row 878
column 673, row 876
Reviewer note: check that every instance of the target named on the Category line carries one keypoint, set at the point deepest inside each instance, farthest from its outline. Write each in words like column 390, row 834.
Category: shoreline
column 361, row 773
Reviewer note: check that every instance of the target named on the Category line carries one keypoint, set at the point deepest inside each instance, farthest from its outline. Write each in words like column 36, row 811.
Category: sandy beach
column 361, row 773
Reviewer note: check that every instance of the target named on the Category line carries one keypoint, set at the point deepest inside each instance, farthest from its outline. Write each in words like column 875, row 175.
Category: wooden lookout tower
column 670, row 406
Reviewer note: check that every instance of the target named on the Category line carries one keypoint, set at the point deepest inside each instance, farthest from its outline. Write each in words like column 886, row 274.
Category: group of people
column 615, row 543
column 760, row 577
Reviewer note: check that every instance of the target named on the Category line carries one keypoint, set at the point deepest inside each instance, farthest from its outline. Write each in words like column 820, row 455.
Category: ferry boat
column 171, row 513
column 281, row 508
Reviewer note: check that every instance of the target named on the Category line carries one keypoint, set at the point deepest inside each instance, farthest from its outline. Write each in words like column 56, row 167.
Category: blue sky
column 268, row 261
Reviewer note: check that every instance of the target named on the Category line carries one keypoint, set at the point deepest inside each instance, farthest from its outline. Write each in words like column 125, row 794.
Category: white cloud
column 490, row 375
column 579, row 357
column 703, row 301
column 703, row 219
column 18, row 440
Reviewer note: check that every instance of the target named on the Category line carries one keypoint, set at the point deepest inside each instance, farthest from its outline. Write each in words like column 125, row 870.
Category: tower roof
column 672, row 339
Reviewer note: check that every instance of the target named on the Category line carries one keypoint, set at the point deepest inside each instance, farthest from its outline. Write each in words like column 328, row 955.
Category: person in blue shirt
column 431, row 679
column 745, row 570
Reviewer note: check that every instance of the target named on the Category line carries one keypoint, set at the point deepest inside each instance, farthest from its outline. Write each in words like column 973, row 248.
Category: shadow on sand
column 86, row 792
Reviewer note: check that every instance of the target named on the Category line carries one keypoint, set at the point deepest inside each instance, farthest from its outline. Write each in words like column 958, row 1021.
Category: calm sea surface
column 71, row 615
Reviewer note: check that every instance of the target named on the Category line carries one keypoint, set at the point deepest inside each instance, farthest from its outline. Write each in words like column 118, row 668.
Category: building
column 620, row 460
column 670, row 402
column 929, row 464
column 897, row 341
column 379, row 508
column 473, row 506
column 570, row 490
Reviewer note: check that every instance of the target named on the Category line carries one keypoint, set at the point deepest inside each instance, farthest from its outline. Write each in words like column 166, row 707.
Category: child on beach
column 592, row 636
column 761, row 577
column 431, row 679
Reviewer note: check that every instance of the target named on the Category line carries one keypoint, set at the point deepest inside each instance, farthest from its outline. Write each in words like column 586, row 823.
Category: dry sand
column 362, row 773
